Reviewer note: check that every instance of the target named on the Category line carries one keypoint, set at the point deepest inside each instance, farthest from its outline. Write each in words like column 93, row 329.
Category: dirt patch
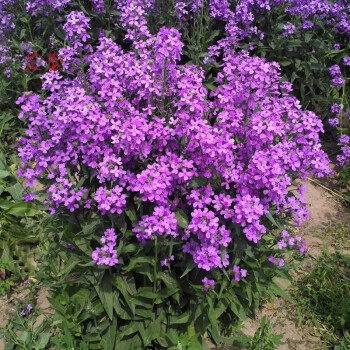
column 8, row 305
column 282, row 317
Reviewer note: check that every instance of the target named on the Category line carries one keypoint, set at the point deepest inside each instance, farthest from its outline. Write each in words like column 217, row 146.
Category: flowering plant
column 166, row 173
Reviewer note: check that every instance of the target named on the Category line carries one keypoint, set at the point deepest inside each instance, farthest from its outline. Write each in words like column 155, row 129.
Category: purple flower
column 207, row 283
column 239, row 273
column 70, row 246
column 29, row 307
column 164, row 262
column 338, row 81
column 281, row 244
column 335, row 71
column 75, row 27
column 284, row 234
column 289, row 29
column 272, row 259
column 243, row 273
column 346, row 61
column 344, row 139
column 106, row 255
column 333, row 122
column 335, row 108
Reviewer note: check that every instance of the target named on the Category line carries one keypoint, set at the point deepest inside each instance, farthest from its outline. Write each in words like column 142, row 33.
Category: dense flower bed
column 144, row 127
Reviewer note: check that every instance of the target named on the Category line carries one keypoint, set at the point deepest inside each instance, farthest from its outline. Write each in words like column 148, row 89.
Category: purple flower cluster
column 346, row 61
column 29, row 308
column 165, row 261
column 107, row 255
column 239, row 273
column 112, row 200
column 292, row 242
column 333, row 122
column 274, row 260
column 289, row 29
column 207, row 284
column 142, row 125
column 76, row 28
column 43, row 6
column 335, row 108
column 162, row 221
column 335, row 72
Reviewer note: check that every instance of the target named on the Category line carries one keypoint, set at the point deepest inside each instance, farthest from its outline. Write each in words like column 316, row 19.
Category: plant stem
column 155, row 265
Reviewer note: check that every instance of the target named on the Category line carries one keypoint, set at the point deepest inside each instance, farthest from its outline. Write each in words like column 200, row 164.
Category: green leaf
column 189, row 268
column 182, row 219
column 146, row 292
column 4, row 204
column 199, row 181
column 237, row 308
column 270, row 217
column 279, row 291
column 131, row 328
column 24, row 337
column 121, row 286
column 131, row 213
column 285, row 63
column 184, row 318
column 282, row 282
column 139, row 260
column 43, row 340
column 105, row 293
column 15, row 191
column 22, row 209
column 308, row 37
column 155, row 327
column 4, row 173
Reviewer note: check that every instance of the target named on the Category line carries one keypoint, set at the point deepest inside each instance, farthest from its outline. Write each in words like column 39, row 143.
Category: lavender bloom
column 106, row 255
column 334, row 71
column 289, row 29
column 346, row 61
column 272, row 259
column 207, row 283
column 75, row 27
column 344, row 139
column 239, row 273
column 338, row 81
column 335, row 108
column 333, row 122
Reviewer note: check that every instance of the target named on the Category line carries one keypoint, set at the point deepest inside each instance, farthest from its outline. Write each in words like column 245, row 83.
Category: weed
column 336, row 234
column 323, row 298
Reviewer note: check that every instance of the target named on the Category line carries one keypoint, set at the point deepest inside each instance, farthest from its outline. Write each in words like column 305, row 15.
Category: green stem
column 87, row 89
column 30, row 33
column 155, row 265
column 341, row 109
